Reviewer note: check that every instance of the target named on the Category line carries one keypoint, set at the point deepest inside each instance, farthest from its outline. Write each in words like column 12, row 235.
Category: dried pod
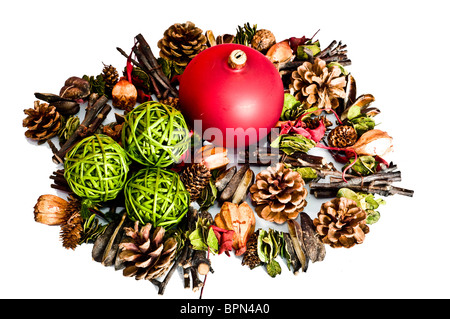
column 210, row 39
column 51, row 210
column 314, row 248
column 229, row 191
column 296, row 236
column 224, row 178
column 212, row 157
column 374, row 143
column 280, row 52
column 242, row 190
column 350, row 91
column 262, row 40
column 124, row 95
column 65, row 107
column 75, row 88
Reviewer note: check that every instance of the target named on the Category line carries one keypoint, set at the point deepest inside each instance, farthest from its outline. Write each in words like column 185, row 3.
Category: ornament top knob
column 237, row 59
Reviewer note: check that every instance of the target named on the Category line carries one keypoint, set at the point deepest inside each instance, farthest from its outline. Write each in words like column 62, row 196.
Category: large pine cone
column 195, row 178
column 279, row 194
column 181, row 43
column 342, row 136
column 146, row 255
column 341, row 223
column 43, row 122
column 318, row 85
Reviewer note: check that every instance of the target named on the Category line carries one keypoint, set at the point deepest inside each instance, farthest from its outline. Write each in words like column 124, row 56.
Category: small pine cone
column 318, row 84
column 195, row 178
column 342, row 136
column 43, row 122
column 279, row 194
column 172, row 101
column 341, row 223
column 313, row 123
column 181, row 43
column 72, row 228
column 146, row 254
column 111, row 77
column 250, row 257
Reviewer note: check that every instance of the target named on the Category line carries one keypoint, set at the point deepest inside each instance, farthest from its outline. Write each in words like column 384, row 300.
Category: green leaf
column 273, row 268
column 197, row 241
column 293, row 143
column 340, row 66
column 292, row 108
column 314, row 47
column 364, row 165
column 353, row 112
column 260, row 247
column 308, row 173
column 212, row 241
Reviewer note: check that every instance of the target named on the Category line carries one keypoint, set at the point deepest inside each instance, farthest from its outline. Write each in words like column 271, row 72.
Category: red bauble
column 224, row 88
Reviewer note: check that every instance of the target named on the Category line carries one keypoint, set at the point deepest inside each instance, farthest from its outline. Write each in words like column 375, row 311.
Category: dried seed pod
column 224, row 178
column 242, row 190
column 314, row 248
column 75, row 88
column 66, row 107
column 374, row 143
column 124, row 95
column 262, row 40
column 229, row 191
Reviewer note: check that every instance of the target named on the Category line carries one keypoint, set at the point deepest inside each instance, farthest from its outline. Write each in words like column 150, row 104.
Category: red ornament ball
column 231, row 94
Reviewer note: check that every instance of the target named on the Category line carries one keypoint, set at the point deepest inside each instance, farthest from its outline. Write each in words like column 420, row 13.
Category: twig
column 94, row 116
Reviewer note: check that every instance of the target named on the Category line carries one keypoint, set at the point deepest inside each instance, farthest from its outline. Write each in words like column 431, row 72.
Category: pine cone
column 111, row 77
column 279, row 194
column 250, row 257
column 172, row 101
column 318, row 85
column 313, row 123
column 195, row 178
column 43, row 122
column 181, row 43
column 341, row 223
column 146, row 254
column 342, row 136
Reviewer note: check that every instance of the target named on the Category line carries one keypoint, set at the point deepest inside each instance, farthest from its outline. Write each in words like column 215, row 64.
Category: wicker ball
column 96, row 168
column 155, row 134
column 157, row 196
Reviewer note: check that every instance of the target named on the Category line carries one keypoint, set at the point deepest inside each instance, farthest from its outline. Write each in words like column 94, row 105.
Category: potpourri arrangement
column 139, row 188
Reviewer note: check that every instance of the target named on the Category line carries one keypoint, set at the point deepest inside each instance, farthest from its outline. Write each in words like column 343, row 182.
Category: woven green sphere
column 157, row 196
column 96, row 168
column 155, row 134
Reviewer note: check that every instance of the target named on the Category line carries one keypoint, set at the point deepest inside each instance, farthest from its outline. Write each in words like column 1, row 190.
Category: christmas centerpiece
column 154, row 190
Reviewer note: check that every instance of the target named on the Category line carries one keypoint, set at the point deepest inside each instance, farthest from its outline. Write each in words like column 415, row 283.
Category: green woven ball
column 155, row 134
column 157, row 196
column 96, row 168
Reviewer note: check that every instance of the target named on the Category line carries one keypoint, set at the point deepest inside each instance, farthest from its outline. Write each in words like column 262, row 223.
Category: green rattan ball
column 155, row 134
column 96, row 168
column 157, row 196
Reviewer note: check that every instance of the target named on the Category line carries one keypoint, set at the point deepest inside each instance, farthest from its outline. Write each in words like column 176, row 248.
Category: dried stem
column 95, row 114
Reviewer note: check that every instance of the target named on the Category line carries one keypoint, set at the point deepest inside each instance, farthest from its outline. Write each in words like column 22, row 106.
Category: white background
column 399, row 52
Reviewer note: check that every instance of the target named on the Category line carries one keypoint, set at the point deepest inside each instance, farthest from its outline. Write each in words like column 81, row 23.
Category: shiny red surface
column 244, row 100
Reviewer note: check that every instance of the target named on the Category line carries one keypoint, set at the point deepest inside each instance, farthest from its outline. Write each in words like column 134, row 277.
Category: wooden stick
column 91, row 117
